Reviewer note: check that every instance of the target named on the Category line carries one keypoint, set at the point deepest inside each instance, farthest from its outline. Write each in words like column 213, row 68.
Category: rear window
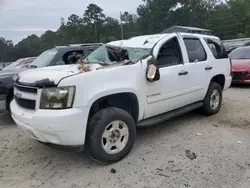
column 218, row 49
column 240, row 53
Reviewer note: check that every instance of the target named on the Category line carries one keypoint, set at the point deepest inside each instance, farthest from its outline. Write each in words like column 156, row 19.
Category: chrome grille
column 22, row 93
column 26, row 89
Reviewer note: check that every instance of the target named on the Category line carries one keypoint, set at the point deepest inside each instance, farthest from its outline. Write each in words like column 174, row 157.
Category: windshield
column 240, row 53
column 44, row 59
column 113, row 54
column 13, row 65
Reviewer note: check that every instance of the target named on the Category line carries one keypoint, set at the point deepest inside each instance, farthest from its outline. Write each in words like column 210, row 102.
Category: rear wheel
column 213, row 99
column 110, row 136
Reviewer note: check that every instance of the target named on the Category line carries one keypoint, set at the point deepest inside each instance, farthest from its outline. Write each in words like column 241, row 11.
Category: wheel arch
column 220, row 79
column 127, row 101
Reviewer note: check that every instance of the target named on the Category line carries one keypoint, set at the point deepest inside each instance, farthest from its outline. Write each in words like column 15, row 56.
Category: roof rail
column 86, row 44
column 185, row 29
column 60, row 46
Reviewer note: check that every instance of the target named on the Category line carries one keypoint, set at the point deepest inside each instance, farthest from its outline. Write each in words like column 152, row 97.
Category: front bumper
column 242, row 80
column 2, row 102
column 58, row 127
column 228, row 82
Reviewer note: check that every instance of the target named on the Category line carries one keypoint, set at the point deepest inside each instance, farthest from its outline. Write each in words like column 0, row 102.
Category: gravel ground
column 161, row 156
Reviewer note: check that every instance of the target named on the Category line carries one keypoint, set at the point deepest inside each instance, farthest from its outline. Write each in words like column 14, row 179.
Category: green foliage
column 227, row 19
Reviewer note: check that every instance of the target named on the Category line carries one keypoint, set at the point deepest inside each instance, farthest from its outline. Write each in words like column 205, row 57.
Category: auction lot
column 159, row 158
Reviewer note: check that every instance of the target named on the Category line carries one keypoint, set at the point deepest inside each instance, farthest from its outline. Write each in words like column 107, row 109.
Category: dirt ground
column 160, row 158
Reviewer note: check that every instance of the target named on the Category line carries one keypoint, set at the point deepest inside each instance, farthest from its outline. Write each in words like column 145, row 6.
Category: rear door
column 199, row 67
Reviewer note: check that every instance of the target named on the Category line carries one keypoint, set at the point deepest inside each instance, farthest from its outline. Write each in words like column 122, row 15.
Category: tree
column 94, row 16
column 154, row 14
column 74, row 20
column 227, row 19
column 110, row 30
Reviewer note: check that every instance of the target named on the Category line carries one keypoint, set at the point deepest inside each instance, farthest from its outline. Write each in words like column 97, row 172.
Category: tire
column 106, row 121
column 209, row 108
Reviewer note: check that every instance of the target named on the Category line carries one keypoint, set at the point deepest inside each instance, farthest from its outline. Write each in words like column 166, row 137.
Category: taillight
column 231, row 69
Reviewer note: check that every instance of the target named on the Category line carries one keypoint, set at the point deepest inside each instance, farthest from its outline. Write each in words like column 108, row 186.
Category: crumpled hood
column 50, row 75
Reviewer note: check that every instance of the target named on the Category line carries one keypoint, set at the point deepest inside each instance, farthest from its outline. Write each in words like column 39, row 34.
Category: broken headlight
column 57, row 98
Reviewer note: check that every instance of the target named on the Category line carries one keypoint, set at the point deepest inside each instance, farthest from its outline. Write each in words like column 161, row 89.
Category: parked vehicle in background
column 141, row 81
column 62, row 55
column 240, row 59
column 59, row 55
column 20, row 63
column 4, row 64
column 233, row 44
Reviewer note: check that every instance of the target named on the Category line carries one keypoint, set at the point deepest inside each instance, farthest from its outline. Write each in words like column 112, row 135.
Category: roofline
column 191, row 28
column 79, row 45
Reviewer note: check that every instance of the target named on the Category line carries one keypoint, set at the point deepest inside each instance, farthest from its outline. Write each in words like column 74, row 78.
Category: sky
column 20, row 18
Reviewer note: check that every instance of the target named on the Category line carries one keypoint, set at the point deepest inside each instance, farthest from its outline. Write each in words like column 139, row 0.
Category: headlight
column 57, row 98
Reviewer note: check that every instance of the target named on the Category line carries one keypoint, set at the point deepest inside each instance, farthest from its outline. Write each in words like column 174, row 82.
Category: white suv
column 137, row 82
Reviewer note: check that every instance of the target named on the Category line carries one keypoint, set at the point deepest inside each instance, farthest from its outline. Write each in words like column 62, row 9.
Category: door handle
column 183, row 73
column 208, row 68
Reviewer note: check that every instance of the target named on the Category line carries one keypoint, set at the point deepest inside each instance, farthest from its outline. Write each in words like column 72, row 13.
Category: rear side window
column 195, row 50
column 218, row 50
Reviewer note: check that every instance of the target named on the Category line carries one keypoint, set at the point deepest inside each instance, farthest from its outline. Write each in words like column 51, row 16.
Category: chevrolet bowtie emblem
column 18, row 94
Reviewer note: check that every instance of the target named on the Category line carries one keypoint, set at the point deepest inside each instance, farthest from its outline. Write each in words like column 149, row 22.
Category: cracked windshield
column 112, row 54
column 124, row 94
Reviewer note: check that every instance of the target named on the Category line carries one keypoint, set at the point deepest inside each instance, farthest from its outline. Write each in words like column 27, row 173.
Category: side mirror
column 60, row 62
column 152, row 73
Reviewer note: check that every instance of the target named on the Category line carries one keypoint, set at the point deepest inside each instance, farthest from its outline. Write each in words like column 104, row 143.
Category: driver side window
column 170, row 54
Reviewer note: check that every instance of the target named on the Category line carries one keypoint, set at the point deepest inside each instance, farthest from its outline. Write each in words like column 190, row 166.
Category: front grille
column 25, row 103
column 26, row 89
column 238, row 75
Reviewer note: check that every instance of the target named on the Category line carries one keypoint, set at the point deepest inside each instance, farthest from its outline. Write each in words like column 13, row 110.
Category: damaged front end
column 106, row 56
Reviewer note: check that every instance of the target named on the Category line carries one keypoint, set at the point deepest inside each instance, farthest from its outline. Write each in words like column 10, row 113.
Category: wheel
column 213, row 99
column 110, row 135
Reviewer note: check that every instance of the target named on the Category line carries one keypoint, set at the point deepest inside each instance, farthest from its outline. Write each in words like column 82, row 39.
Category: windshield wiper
column 103, row 63
column 33, row 66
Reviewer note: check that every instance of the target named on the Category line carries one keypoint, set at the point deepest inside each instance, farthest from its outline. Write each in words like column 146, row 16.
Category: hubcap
column 115, row 137
column 215, row 99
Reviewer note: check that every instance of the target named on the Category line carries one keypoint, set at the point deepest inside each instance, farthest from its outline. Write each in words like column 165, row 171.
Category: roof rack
column 87, row 44
column 60, row 46
column 187, row 29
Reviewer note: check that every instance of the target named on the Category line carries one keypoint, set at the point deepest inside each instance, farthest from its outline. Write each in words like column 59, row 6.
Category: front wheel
column 213, row 99
column 110, row 135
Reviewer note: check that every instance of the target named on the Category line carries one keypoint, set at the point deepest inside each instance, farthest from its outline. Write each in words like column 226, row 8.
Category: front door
column 173, row 88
